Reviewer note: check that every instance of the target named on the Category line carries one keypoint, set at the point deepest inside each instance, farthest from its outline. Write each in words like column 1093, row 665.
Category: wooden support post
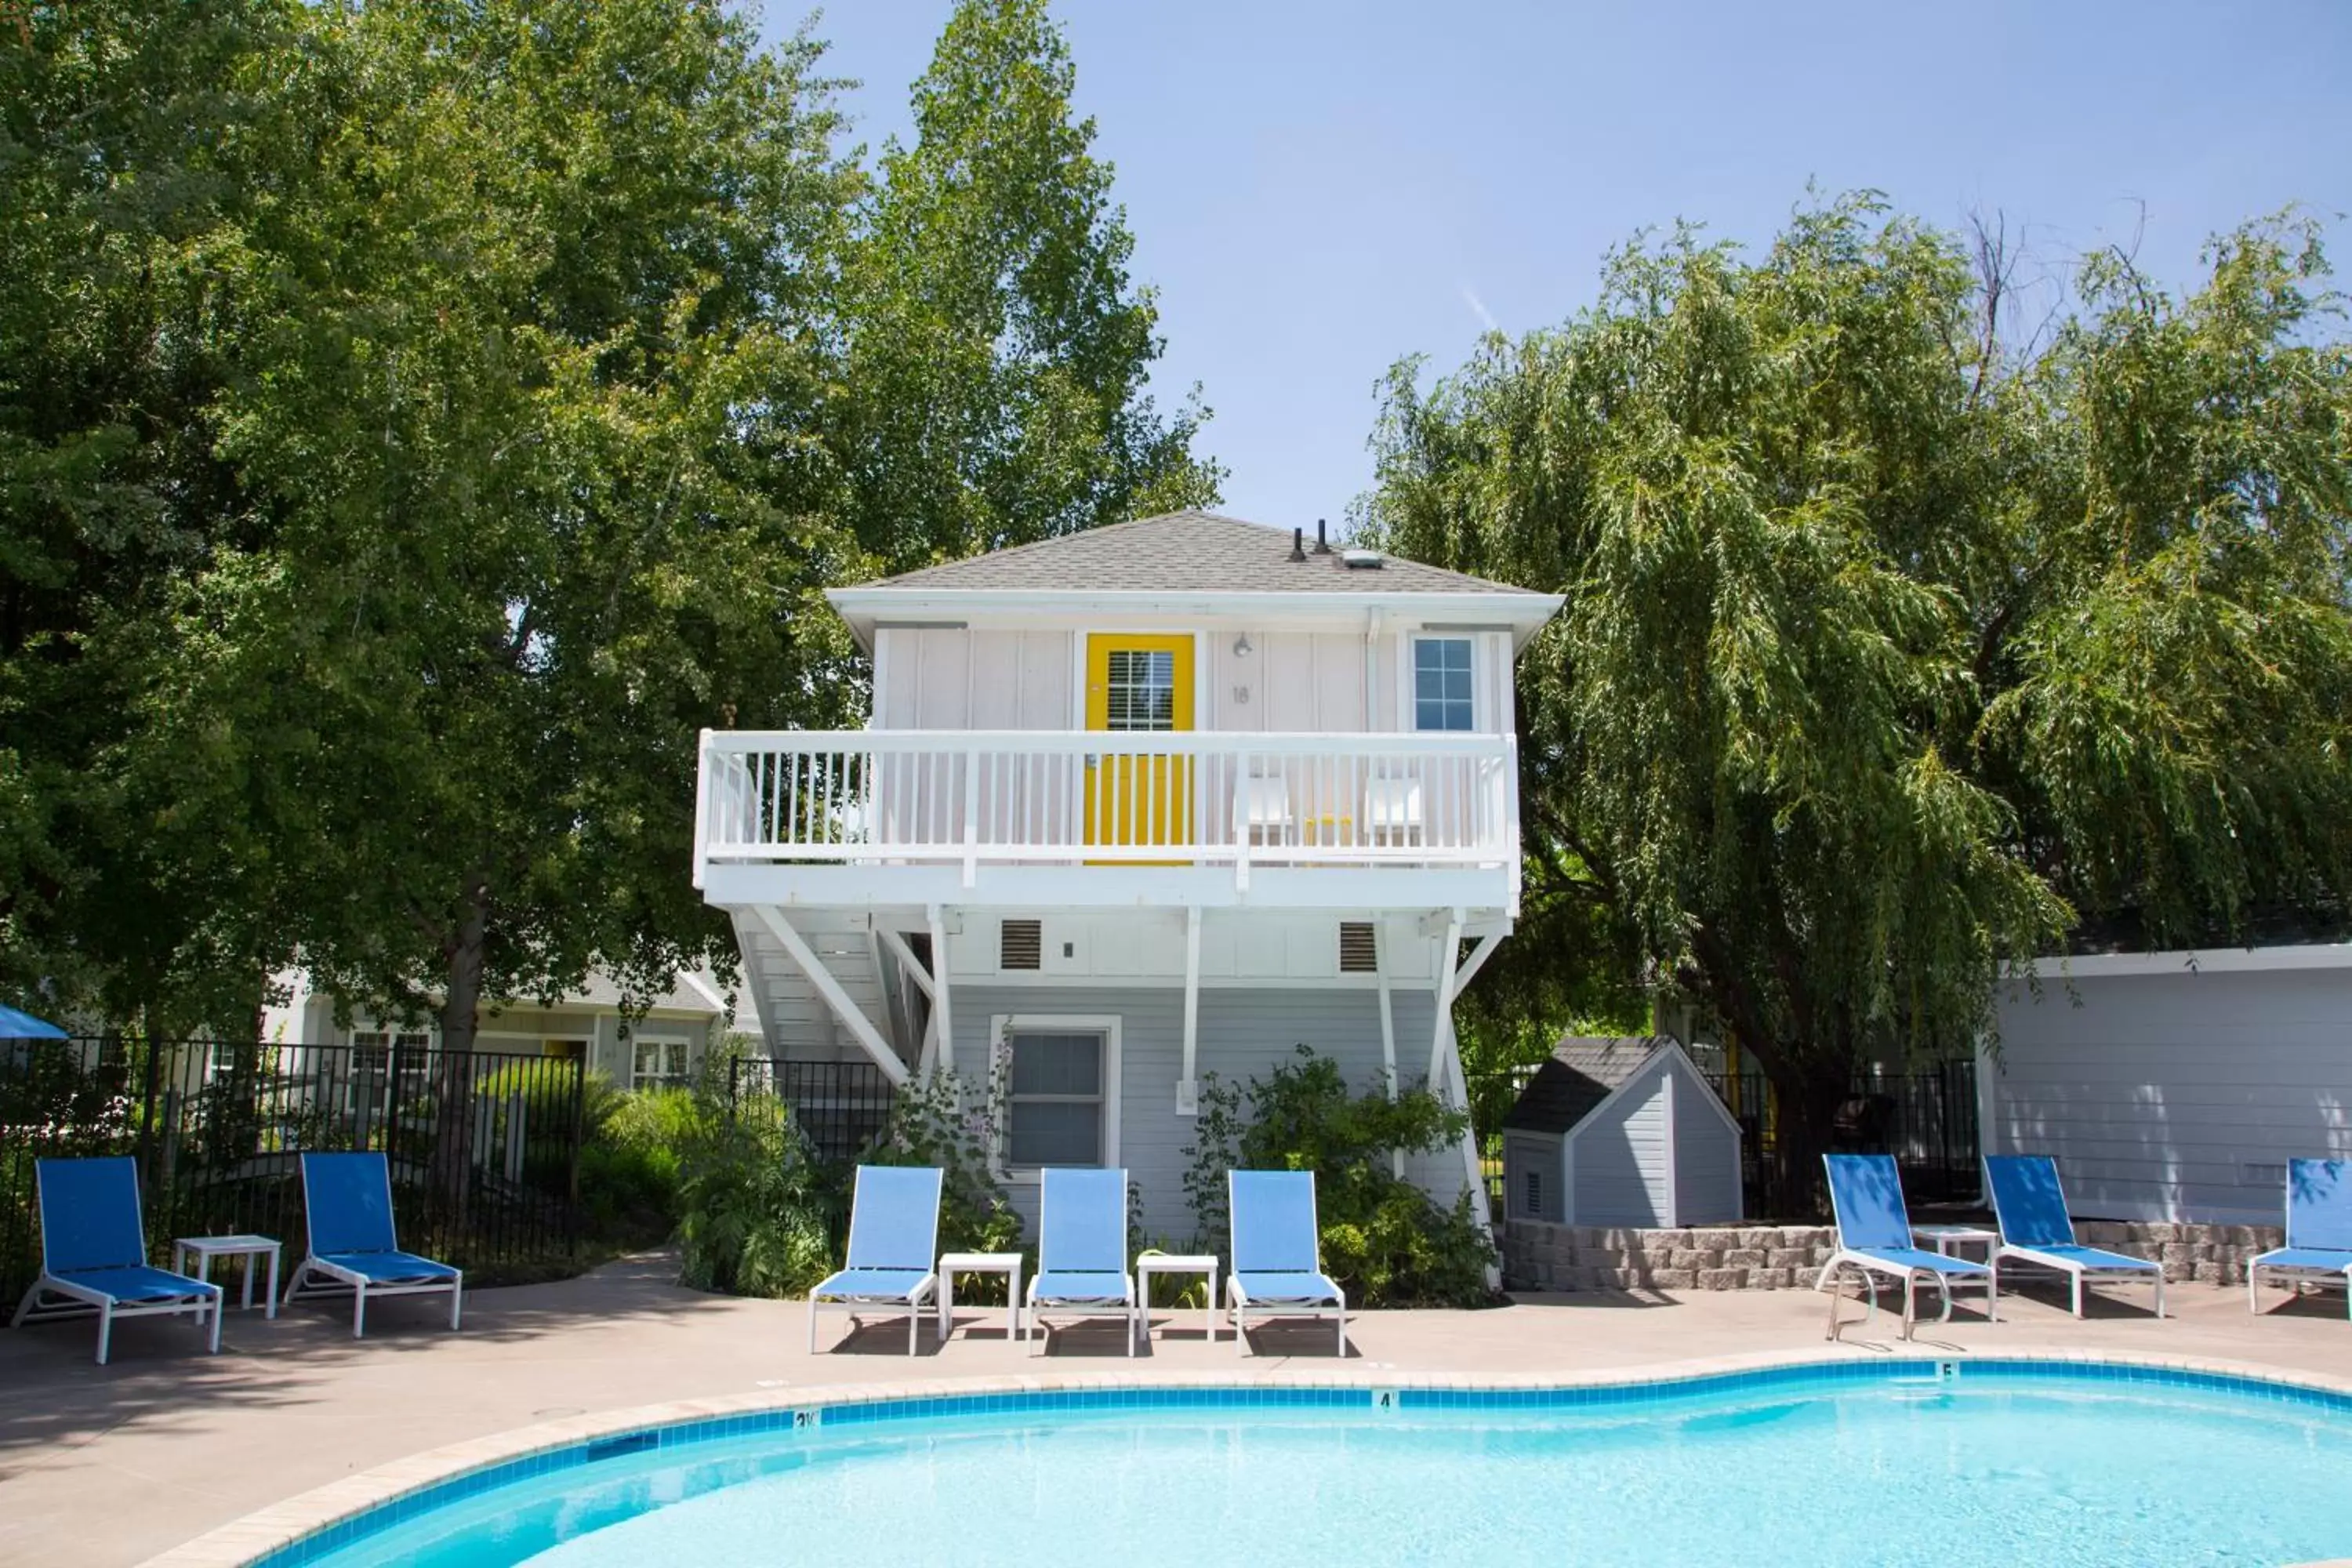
column 1188, row 1087
column 1388, row 1028
column 1449, row 948
column 940, row 1017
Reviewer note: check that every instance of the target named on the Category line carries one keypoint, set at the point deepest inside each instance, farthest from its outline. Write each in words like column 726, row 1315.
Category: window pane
column 1140, row 689
column 1057, row 1064
column 1441, row 684
column 1053, row 1132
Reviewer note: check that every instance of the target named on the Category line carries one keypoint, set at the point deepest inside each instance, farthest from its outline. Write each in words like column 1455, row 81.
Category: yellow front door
column 1136, row 686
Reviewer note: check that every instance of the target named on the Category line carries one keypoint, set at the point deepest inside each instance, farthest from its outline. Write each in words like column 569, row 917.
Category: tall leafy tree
column 527, row 419
column 423, row 417
column 1889, row 655
column 998, row 349
column 143, row 151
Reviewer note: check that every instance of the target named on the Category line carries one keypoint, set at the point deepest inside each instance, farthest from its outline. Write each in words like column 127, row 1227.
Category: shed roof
column 1184, row 553
column 1582, row 1071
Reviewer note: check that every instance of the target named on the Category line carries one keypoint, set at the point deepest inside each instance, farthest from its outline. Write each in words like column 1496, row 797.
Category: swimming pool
column 1992, row 1462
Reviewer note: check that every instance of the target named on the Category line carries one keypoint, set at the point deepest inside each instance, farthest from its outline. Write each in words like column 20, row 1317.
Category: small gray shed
column 1621, row 1131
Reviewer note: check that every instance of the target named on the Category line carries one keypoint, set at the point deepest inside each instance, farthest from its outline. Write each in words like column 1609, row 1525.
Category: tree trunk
column 1808, row 1088
column 453, row 1118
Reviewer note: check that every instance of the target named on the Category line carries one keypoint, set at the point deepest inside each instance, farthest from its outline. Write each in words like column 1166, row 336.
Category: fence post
column 516, row 1127
column 578, row 1135
column 146, row 1111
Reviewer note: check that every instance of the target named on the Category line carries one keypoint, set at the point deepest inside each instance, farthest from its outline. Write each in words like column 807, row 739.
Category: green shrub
column 945, row 1122
column 753, row 1207
column 1383, row 1240
column 631, row 1165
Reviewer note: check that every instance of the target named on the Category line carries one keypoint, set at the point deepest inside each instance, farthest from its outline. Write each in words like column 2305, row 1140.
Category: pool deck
column 114, row 1464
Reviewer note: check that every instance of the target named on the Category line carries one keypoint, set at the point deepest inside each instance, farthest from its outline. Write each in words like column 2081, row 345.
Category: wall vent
column 1358, row 954
column 1021, row 944
column 1532, row 1193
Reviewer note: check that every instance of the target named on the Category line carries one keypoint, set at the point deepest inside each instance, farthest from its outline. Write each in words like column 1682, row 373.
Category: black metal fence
column 217, row 1127
column 1925, row 1118
column 839, row 1107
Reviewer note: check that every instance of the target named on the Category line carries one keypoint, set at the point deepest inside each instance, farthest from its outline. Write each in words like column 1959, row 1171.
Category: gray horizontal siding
column 2157, row 1091
column 1706, row 1158
column 1244, row 1035
column 1620, row 1157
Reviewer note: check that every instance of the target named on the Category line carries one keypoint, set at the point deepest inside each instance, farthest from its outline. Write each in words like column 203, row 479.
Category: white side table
column 1005, row 1263
column 204, row 1248
column 1202, row 1263
column 1946, row 1238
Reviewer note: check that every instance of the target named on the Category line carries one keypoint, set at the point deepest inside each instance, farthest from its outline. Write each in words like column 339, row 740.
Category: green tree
column 998, row 349
column 524, row 414
column 421, row 419
column 1890, row 654
column 141, row 149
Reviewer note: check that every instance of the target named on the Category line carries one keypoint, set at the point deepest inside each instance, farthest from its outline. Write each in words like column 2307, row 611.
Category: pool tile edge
column 338, row 1506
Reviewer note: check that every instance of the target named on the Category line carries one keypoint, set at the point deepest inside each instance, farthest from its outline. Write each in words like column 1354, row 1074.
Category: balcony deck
column 1092, row 817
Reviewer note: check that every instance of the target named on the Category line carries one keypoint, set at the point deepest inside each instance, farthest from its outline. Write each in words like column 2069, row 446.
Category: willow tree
column 1890, row 654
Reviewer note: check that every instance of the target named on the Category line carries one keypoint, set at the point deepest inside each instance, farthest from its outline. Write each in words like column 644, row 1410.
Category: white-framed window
column 1061, row 1102
column 1441, row 684
column 658, row 1061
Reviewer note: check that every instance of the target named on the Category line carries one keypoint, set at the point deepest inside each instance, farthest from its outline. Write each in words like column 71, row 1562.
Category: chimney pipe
column 1322, row 545
column 1299, row 544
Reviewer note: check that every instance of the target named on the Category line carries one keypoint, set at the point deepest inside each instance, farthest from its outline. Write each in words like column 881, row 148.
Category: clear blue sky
column 1316, row 189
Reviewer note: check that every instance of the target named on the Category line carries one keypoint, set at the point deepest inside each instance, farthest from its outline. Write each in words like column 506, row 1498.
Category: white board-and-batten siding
column 2174, row 1096
column 1242, row 1034
column 953, row 678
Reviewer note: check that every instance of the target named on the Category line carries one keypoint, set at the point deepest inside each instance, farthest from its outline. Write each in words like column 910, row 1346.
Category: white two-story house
column 1138, row 804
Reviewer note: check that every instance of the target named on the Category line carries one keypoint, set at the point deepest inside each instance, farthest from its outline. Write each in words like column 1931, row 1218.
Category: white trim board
column 1107, row 1025
column 2185, row 960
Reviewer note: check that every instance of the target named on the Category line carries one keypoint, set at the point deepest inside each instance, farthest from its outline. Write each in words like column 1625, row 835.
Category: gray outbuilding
column 2175, row 1086
column 1621, row 1131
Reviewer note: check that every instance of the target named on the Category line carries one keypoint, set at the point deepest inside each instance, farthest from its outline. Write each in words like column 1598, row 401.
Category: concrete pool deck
column 113, row 1465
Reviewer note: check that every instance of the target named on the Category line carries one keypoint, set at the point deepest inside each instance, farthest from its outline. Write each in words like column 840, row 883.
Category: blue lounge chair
column 2318, row 1248
column 1277, row 1262
column 2029, row 1207
column 94, row 1253
column 1082, row 1269
column 347, row 1221
column 1873, row 1239
column 894, row 1233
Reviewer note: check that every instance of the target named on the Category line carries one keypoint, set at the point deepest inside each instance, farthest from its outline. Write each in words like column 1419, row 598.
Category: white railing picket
column 1066, row 797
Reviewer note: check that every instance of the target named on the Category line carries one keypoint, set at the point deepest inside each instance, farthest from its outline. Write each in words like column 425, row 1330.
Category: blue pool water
column 2024, row 1467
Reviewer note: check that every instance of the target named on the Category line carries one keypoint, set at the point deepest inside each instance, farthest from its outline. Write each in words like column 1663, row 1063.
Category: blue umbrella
column 16, row 1025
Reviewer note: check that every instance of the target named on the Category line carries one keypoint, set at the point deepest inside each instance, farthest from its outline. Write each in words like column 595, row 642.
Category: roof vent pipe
column 1299, row 544
column 1322, row 545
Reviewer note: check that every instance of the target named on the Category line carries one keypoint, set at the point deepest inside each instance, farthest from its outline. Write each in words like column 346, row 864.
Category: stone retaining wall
column 1538, row 1256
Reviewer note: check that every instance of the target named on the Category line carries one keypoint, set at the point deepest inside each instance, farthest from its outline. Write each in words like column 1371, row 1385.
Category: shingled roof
column 1184, row 553
column 1582, row 1072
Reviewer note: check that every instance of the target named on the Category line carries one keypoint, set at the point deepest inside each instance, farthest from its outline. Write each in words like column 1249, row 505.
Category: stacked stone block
column 1538, row 1256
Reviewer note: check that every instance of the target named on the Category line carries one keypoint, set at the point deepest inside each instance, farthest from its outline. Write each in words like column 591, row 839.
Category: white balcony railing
column 971, row 798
